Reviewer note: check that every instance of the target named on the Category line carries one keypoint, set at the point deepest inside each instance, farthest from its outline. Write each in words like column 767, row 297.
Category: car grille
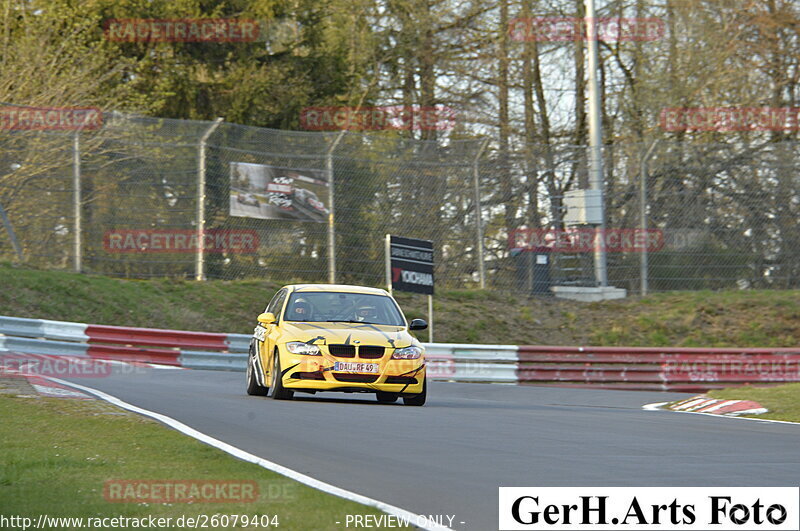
column 342, row 351
column 356, row 378
column 370, row 352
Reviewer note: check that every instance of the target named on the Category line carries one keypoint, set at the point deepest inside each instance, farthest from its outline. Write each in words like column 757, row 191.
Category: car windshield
column 319, row 306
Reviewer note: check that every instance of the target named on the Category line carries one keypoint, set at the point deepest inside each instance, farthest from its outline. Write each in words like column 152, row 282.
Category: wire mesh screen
column 147, row 197
column 728, row 215
column 36, row 197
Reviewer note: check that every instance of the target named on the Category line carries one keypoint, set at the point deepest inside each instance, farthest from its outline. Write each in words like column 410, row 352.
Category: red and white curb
column 704, row 404
column 47, row 388
column 711, row 406
column 37, row 368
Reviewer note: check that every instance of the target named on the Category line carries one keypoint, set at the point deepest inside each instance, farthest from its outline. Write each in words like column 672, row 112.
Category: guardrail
column 130, row 344
column 666, row 369
column 471, row 363
column 663, row 369
column 203, row 350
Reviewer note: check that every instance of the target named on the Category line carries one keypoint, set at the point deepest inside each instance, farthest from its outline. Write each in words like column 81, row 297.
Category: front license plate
column 356, row 366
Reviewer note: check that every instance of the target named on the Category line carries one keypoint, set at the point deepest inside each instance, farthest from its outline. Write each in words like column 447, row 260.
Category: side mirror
column 267, row 318
column 418, row 324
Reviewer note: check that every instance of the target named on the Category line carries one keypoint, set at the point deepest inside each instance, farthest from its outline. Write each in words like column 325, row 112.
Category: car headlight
column 298, row 347
column 407, row 353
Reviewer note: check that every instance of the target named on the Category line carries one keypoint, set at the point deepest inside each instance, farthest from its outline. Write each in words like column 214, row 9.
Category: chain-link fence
column 715, row 216
column 134, row 198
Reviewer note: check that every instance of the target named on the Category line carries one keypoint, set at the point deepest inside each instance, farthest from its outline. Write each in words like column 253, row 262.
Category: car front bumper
column 316, row 373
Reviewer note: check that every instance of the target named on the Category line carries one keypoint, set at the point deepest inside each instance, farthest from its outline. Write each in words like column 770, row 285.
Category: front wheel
column 417, row 400
column 277, row 391
column 253, row 388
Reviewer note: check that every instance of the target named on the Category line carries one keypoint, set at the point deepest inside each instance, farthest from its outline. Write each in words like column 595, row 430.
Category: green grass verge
column 165, row 303
column 57, row 455
column 704, row 318
column 782, row 401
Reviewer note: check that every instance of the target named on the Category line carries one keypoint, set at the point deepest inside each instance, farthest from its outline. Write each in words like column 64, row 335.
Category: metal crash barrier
column 640, row 368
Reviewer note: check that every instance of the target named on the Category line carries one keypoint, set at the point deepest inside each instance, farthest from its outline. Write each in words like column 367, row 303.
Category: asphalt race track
column 450, row 456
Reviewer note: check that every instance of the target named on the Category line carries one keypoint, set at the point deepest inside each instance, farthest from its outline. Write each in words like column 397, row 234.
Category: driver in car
column 366, row 314
column 301, row 310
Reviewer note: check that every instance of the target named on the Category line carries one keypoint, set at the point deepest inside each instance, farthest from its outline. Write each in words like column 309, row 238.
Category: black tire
column 277, row 391
column 253, row 388
column 417, row 400
column 387, row 398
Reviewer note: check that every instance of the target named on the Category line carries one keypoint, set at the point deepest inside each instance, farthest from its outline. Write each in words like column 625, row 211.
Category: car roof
column 336, row 288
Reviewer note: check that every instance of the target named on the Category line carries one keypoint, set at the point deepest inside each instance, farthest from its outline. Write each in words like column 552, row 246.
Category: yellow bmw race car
column 329, row 337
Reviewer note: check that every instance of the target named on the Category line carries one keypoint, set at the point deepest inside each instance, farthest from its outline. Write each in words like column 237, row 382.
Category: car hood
column 349, row 333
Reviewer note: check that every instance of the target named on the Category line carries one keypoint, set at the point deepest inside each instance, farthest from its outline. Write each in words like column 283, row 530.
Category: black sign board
column 412, row 264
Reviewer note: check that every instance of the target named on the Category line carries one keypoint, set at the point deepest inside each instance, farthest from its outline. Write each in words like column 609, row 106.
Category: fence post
column 430, row 318
column 7, row 224
column 643, row 265
column 331, row 213
column 478, row 217
column 387, row 253
column 199, row 266
column 11, row 234
column 77, row 251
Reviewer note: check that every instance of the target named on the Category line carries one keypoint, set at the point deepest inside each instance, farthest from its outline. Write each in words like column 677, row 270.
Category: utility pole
column 596, row 144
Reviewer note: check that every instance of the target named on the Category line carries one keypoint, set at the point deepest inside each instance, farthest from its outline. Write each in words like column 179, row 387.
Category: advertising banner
column 411, row 264
column 269, row 192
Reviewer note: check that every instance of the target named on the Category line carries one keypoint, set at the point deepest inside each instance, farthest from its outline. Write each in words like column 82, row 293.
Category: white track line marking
column 656, row 406
column 264, row 463
column 756, row 411
column 166, row 367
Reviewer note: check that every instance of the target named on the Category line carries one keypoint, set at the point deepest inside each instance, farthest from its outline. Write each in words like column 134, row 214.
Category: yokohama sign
column 412, row 264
